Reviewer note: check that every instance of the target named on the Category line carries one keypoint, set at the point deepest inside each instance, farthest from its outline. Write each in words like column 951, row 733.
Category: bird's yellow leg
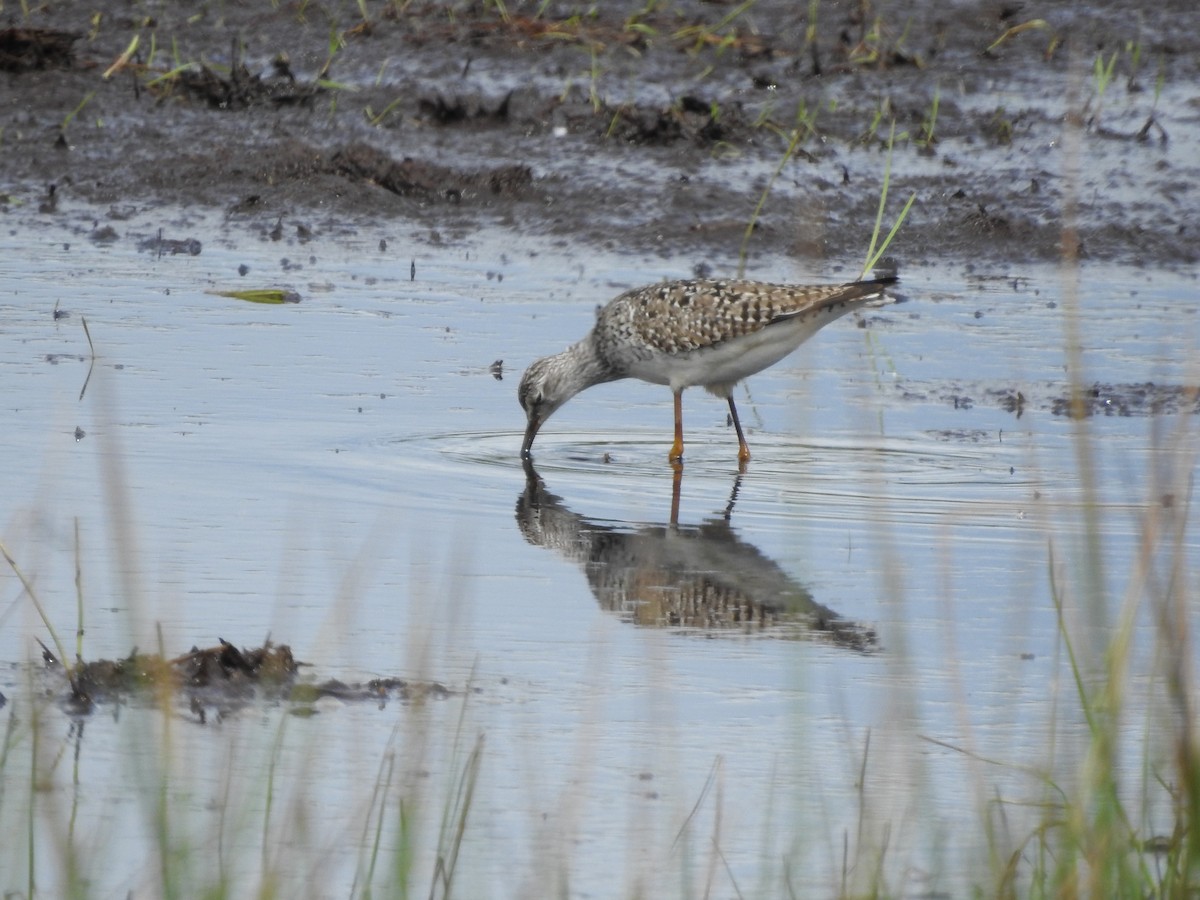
column 743, row 447
column 676, row 454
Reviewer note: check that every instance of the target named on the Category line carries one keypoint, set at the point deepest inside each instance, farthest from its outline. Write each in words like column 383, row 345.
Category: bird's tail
column 886, row 274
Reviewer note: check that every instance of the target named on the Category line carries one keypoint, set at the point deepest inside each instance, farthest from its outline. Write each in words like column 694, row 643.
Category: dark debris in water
column 377, row 690
column 162, row 246
column 963, row 435
column 1142, row 399
column 219, row 681
column 1100, row 399
column 1009, row 399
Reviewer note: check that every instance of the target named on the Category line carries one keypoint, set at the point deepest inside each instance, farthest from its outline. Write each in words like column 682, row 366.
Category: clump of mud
column 27, row 49
column 410, row 177
column 217, row 680
column 242, row 89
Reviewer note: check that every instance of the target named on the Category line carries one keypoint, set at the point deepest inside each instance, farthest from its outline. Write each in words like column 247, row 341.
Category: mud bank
column 1020, row 128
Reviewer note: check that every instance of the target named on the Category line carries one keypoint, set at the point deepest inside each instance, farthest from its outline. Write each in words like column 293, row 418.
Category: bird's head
column 545, row 386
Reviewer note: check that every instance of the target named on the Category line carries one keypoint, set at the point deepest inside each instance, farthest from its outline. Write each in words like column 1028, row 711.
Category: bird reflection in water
column 692, row 577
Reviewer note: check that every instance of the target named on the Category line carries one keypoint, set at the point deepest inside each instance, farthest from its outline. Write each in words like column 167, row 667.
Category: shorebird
column 684, row 333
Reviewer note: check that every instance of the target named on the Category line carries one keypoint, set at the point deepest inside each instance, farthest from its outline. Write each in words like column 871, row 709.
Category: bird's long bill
column 531, row 431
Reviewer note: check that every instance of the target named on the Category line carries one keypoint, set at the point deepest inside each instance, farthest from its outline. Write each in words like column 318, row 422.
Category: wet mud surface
column 1020, row 127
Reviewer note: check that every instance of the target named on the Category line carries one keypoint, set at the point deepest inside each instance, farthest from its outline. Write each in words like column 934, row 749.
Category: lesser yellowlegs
column 684, row 333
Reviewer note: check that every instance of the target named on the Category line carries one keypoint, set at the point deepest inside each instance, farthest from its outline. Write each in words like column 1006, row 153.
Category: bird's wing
column 681, row 316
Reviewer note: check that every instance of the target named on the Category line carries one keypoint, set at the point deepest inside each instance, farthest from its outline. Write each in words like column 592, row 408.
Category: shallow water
column 342, row 475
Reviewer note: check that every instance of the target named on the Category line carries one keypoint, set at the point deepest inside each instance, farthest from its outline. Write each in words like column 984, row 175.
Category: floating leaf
column 264, row 295
column 1015, row 30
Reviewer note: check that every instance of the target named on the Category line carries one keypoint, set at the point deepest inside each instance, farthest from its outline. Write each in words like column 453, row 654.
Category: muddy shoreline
column 657, row 132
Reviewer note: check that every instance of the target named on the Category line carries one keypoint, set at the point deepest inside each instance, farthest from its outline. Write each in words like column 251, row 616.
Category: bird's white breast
column 723, row 365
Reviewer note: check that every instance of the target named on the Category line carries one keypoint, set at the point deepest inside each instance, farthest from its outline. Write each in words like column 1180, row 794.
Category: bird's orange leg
column 743, row 447
column 676, row 454
column 676, row 483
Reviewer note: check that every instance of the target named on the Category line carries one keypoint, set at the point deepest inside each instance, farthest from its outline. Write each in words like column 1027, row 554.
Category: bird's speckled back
column 677, row 317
